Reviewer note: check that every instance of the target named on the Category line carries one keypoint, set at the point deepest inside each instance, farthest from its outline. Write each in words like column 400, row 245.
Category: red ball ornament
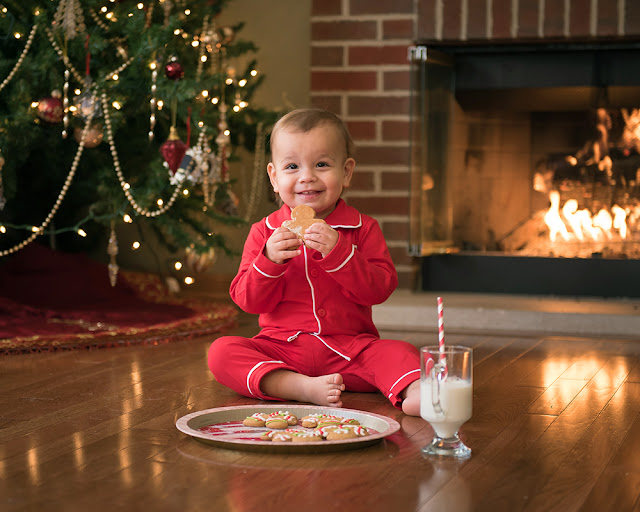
column 174, row 70
column 50, row 109
column 173, row 150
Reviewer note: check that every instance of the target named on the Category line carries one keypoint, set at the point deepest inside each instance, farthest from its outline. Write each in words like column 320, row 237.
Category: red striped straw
column 443, row 360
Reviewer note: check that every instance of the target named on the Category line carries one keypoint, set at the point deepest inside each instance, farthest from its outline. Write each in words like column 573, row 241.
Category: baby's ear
column 348, row 168
column 271, row 171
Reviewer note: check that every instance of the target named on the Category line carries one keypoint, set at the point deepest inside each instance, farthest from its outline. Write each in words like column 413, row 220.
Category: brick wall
column 359, row 69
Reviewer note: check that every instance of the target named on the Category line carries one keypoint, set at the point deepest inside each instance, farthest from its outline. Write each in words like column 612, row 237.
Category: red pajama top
column 329, row 296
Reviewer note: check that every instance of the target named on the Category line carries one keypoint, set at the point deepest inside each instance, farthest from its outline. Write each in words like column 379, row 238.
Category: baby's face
column 310, row 168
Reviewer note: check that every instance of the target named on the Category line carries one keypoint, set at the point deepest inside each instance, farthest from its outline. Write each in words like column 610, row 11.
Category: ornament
column 229, row 203
column 112, row 251
column 93, row 137
column 173, row 150
column 226, row 34
column 174, row 70
column 68, row 17
column 3, row 201
column 199, row 262
column 50, row 108
column 87, row 105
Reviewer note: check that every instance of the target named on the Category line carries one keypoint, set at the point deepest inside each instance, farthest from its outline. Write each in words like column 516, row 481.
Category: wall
column 359, row 70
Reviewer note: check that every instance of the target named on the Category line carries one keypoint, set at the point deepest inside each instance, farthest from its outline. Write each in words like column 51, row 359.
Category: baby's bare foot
column 323, row 390
column 288, row 385
column 411, row 402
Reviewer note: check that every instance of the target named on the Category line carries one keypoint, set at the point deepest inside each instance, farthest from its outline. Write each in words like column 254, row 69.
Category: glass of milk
column 446, row 396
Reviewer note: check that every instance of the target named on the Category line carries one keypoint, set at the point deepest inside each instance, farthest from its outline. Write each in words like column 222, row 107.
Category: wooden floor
column 556, row 426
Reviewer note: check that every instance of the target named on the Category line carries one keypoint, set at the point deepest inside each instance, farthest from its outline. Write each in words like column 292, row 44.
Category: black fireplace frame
column 593, row 75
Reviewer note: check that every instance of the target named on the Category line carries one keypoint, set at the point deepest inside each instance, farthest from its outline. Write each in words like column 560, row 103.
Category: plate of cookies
column 287, row 428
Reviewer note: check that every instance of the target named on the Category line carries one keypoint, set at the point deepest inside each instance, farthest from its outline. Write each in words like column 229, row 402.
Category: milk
column 456, row 397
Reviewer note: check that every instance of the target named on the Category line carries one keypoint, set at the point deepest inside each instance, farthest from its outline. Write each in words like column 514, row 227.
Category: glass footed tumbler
column 446, row 396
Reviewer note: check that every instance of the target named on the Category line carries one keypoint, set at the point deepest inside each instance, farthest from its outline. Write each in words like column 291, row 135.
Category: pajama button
column 321, row 312
column 314, row 272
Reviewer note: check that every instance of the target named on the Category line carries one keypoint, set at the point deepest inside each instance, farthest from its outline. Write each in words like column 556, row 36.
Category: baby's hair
column 306, row 119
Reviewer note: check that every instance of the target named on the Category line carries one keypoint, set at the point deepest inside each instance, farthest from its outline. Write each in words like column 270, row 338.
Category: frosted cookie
column 340, row 433
column 281, row 437
column 255, row 420
column 302, row 217
column 358, row 430
column 350, row 421
column 301, row 436
column 276, row 422
column 291, row 419
column 328, row 421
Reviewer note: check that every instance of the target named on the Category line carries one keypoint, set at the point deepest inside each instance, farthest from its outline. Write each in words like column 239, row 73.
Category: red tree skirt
column 52, row 301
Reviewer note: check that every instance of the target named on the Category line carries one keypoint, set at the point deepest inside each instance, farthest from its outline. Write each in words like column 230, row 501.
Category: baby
column 317, row 336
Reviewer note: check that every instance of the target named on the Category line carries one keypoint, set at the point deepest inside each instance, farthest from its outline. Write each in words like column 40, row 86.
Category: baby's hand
column 282, row 245
column 321, row 237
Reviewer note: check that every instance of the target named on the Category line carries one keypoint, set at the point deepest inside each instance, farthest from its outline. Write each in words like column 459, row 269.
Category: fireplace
column 525, row 174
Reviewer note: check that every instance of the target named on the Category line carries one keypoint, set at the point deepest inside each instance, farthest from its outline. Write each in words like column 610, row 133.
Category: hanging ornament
column 86, row 104
column 68, row 18
column 93, row 136
column 50, row 108
column 226, row 34
column 153, row 102
column 112, row 251
column 174, row 70
column 199, row 262
column 3, row 201
column 173, row 150
column 65, row 104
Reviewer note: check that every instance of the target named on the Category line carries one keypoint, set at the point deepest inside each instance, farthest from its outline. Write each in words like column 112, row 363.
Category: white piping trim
column 313, row 294
column 267, row 275
column 353, row 251
column 348, row 226
column 255, row 368
column 408, row 373
column 330, row 347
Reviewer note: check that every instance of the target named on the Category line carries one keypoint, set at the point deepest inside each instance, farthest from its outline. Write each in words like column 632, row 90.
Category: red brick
column 376, row 105
column 579, row 20
column 344, row 80
column 383, row 155
column 607, row 19
column 377, row 55
column 362, row 180
column 362, row 130
column 426, row 28
column 528, row 19
column 395, row 230
column 357, row 7
column 395, row 130
column 380, row 205
column 330, row 103
column 397, row 29
column 632, row 19
column 396, row 80
column 452, row 16
column 477, row 20
column 327, row 55
column 554, row 19
column 395, row 181
column 501, row 19
column 345, row 30
column 400, row 256
column 326, row 7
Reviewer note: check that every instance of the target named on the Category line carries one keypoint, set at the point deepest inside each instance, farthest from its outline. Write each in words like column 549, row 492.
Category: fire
column 582, row 224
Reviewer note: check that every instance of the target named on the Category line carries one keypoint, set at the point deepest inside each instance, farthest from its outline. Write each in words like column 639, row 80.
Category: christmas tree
column 119, row 111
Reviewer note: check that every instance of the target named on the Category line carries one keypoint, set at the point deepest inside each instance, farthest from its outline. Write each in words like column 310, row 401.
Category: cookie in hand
column 302, row 217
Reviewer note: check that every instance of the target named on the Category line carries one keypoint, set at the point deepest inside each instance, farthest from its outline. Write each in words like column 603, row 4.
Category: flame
column 582, row 224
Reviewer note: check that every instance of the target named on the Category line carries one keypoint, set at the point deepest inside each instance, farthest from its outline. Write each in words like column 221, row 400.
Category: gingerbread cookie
column 302, row 217
column 255, row 420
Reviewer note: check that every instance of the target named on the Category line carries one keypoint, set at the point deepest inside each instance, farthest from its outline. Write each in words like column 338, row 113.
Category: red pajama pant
column 388, row 366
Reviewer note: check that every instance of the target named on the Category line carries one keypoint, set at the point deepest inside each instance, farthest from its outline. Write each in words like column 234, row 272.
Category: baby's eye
column 291, row 166
column 322, row 164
